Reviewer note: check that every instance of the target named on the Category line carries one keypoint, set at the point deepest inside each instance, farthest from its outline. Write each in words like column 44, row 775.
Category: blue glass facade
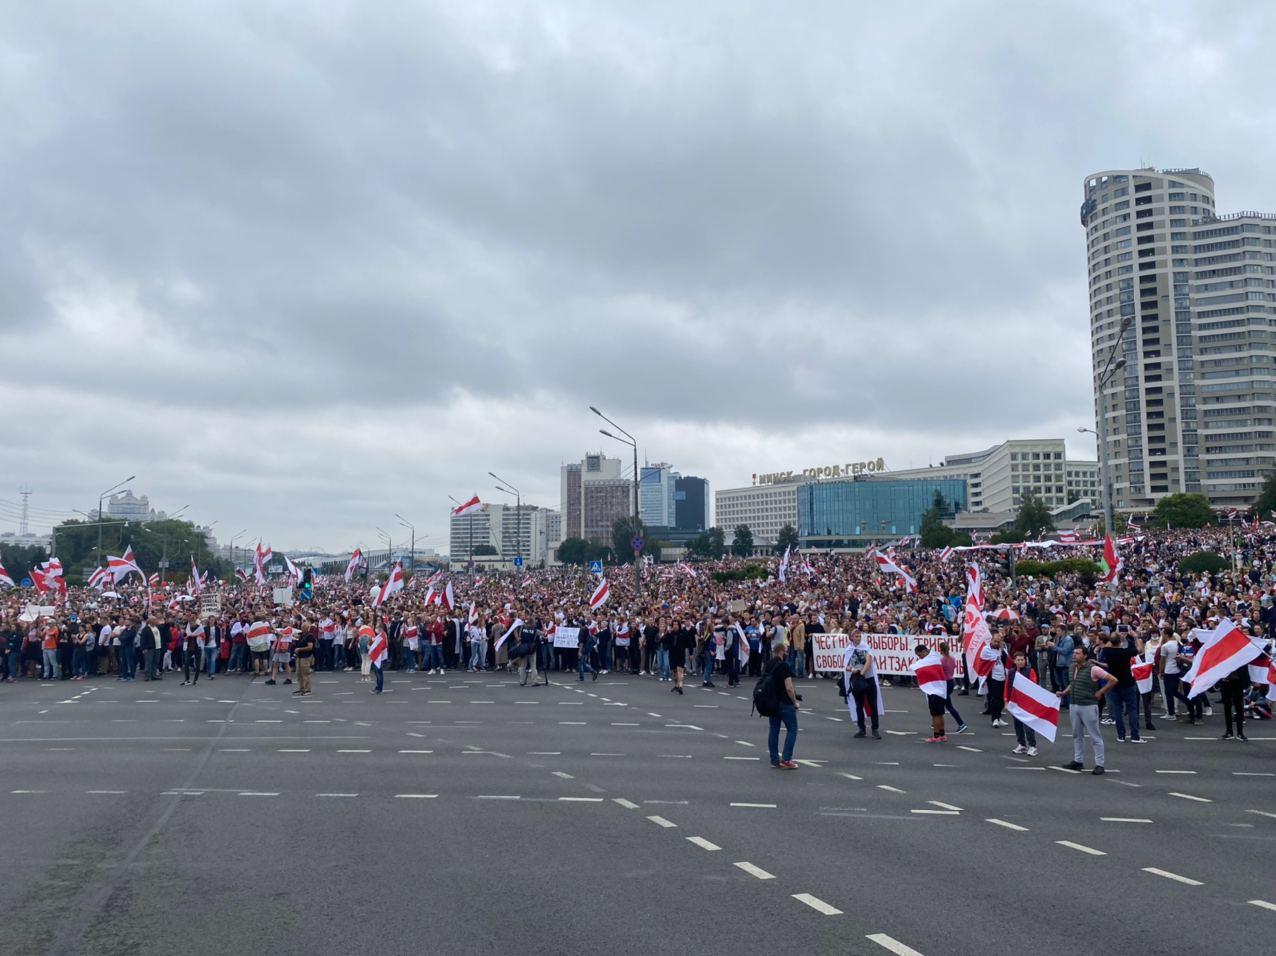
column 835, row 514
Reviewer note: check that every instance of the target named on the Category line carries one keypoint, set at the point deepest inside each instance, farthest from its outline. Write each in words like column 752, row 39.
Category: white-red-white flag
column 449, row 599
column 1259, row 668
column 929, row 671
column 379, row 649
column 885, row 563
column 1142, row 672
column 1111, row 560
column 42, row 580
column 355, row 563
column 518, row 622
column 393, row 584
column 1034, row 705
column 975, row 636
column 5, row 579
column 241, row 574
column 975, row 585
column 743, row 644
column 683, row 566
column 294, row 572
column 1223, row 650
column 600, row 595
column 473, row 616
column 468, row 507
column 1068, row 537
column 197, row 583
column 784, row 565
column 124, row 565
column 946, row 554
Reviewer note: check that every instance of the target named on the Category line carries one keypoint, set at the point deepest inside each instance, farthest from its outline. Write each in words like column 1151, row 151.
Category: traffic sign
column 518, row 561
column 637, row 543
column 595, row 567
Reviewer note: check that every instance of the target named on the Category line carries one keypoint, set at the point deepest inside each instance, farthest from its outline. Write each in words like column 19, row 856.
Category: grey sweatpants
column 1085, row 723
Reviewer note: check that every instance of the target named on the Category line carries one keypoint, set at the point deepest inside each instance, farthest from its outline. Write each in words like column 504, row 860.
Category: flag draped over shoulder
column 929, row 671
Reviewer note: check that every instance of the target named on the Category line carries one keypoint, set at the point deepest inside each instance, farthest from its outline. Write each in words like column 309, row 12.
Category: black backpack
column 766, row 702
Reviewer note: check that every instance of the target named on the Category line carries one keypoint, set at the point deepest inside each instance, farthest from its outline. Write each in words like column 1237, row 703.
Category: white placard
column 283, row 596
column 567, row 637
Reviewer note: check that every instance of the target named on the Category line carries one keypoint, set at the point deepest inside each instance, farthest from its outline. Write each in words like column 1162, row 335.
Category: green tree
column 717, row 543
column 484, row 549
column 1265, row 503
column 573, row 551
column 19, row 559
column 1033, row 518
column 787, row 538
column 742, row 542
column 623, row 531
column 1182, row 511
column 170, row 539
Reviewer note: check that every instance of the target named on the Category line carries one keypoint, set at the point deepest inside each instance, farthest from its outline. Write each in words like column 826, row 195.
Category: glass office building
column 859, row 514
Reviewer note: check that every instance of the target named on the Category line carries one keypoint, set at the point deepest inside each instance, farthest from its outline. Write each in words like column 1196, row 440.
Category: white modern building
column 656, row 499
column 1188, row 297
column 997, row 478
column 765, row 508
column 511, row 530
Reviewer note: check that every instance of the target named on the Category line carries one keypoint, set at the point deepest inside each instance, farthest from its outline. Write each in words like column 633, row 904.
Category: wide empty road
column 466, row 814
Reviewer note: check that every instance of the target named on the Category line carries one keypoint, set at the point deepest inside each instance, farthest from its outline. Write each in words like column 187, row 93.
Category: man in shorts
column 281, row 655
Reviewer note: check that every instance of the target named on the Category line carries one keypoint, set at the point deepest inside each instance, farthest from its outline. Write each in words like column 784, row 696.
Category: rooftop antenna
column 25, row 492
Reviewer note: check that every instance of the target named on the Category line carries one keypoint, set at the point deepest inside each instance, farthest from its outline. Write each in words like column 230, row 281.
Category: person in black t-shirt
column 781, row 676
column 1117, row 657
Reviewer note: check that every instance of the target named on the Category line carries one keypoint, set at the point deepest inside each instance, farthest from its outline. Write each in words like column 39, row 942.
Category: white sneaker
column 1209, row 711
column 1021, row 749
column 1164, row 716
column 1032, row 751
column 1108, row 722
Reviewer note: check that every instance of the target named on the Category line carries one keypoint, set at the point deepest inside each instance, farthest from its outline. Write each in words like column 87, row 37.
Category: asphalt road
column 465, row 814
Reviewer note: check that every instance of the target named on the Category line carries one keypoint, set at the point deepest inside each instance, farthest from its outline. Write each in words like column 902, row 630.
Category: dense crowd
column 686, row 621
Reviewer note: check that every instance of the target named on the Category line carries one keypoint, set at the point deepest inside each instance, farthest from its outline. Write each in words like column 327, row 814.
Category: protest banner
column 567, row 637
column 283, row 596
column 892, row 653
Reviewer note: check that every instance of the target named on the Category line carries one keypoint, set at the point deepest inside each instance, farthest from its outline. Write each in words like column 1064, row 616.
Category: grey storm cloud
column 856, row 222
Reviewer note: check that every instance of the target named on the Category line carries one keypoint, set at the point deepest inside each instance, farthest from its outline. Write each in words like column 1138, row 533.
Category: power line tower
column 25, row 492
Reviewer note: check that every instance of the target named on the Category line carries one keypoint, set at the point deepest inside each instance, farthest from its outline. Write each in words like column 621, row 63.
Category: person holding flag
column 1025, row 737
column 378, row 652
column 1087, row 683
column 928, row 668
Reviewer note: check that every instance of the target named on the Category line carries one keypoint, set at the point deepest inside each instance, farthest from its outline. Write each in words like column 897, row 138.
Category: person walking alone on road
column 860, row 677
column 192, row 653
column 305, row 651
column 781, row 676
column 684, row 646
column 1085, row 691
column 584, row 648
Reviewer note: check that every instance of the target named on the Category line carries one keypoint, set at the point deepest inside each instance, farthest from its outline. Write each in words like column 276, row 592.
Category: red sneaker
column 787, row 765
column 935, row 740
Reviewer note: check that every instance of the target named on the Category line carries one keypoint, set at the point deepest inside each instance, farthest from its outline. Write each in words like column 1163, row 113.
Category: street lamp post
column 518, row 512
column 389, row 547
column 99, row 513
column 408, row 524
column 632, row 443
column 1110, row 368
column 231, row 548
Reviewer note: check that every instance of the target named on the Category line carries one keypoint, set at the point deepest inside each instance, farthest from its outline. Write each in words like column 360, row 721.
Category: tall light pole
column 389, row 547
column 408, row 524
column 164, row 543
column 632, row 443
column 99, row 512
column 518, row 511
column 1111, row 365
column 237, row 534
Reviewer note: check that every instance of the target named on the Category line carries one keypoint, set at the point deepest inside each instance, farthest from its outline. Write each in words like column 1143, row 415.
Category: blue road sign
column 25, row 582
column 595, row 567
column 637, row 543
column 518, row 561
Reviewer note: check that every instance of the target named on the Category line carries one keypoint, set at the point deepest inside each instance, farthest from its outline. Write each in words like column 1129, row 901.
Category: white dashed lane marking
column 848, row 776
column 887, row 787
column 894, row 945
column 254, row 793
column 943, row 806
column 1188, row 796
column 1171, row 876
column 756, row 806
column 1125, row 820
column 1192, row 772
column 336, row 794
column 580, row 799
column 1080, row 847
column 817, row 904
column 755, row 871
column 1264, row 904
column 627, row 804
column 1262, row 813
column 415, row 796
column 662, row 822
column 1007, row 824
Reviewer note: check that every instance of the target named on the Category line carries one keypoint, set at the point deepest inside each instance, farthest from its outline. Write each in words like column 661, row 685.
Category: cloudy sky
column 304, row 265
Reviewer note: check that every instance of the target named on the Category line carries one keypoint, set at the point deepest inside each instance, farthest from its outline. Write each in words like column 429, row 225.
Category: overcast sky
column 304, row 265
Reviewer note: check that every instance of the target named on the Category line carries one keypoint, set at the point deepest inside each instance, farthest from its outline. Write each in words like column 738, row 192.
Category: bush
column 1086, row 568
column 1203, row 561
column 750, row 572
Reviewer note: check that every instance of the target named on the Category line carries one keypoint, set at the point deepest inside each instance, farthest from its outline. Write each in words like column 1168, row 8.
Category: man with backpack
column 775, row 699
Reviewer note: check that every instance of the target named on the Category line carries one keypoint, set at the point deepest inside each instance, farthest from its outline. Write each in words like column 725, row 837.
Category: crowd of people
column 694, row 622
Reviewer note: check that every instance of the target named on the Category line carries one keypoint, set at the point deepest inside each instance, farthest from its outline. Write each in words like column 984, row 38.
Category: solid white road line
column 817, row 904
column 662, row 822
column 1007, row 824
column 415, row 796
column 894, row 945
column 1263, row 903
column 1080, row 847
column 756, row 871
column 1171, row 876
column 627, row 804
column 756, row 806
column 1188, row 796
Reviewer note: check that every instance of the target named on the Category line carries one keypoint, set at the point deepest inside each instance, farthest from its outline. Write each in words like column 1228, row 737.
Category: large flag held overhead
column 743, row 653
column 1034, row 705
column 124, row 565
column 260, row 558
column 5, row 580
column 975, row 585
column 975, row 636
column 929, row 671
column 293, row 571
column 98, row 577
column 1111, row 560
column 468, row 508
column 600, row 595
column 886, row 563
column 196, row 583
column 683, row 566
column 1223, row 650
column 356, row 562
column 518, row 622
column 449, row 599
column 784, row 565
column 42, row 580
column 393, row 584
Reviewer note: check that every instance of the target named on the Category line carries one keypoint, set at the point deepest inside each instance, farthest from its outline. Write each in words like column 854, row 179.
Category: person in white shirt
column 1168, row 667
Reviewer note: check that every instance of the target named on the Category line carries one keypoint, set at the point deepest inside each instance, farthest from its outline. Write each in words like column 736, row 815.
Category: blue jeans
column 380, row 672
column 797, row 660
column 79, row 663
column 1124, row 702
column 662, row 661
column 582, row 664
column 432, row 657
column 788, row 717
column 1061, row 681
column 1169, row 687
column 128, row 661
column 210, row 655
column 476, row 655
column 15, row 663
